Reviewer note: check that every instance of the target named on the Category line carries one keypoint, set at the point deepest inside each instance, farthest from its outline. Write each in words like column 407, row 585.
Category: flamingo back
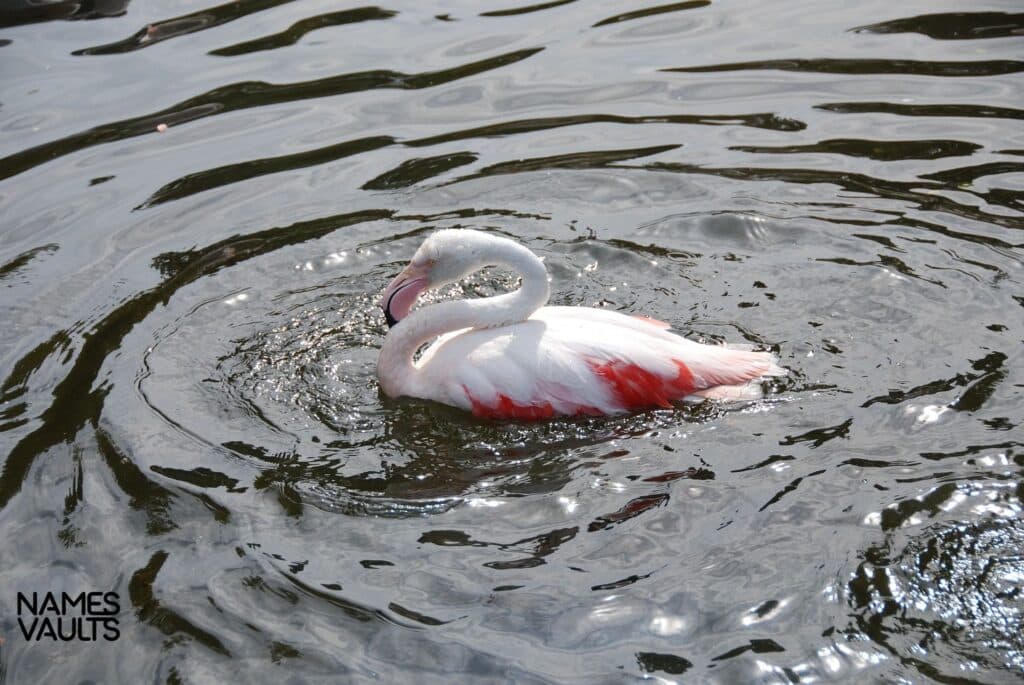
column 578, row 361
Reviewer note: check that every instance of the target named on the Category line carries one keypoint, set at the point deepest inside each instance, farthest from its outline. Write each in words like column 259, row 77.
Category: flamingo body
column 552, row 361
column 566, row 361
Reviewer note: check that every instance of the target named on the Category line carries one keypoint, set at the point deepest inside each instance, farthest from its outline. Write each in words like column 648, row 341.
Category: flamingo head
column 445, row 257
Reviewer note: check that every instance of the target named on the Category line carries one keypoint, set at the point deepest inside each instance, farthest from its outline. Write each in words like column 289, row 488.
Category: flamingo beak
column 401, row 293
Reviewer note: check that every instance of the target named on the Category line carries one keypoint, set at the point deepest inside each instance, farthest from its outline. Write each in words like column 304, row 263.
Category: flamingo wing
column 575, row 360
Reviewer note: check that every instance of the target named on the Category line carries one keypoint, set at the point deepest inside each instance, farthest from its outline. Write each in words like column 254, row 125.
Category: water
column 189, row 414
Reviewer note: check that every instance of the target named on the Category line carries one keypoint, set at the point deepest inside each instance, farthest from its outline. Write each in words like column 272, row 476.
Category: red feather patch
column 634, row 386
column 506, row 408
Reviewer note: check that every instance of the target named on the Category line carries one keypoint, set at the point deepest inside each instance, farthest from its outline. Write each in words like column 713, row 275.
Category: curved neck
column 395, row 367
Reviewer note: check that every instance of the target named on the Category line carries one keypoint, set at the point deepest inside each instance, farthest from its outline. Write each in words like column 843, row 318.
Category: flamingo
column 511, row 357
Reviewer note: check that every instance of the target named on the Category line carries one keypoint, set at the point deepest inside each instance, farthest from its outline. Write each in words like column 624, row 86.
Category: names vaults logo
column 85, row 617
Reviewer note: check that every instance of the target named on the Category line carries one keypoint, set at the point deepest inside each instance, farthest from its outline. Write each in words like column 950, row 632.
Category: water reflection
column 185, row 24
column 295, row 392
column 955, row 25
column 296, row 31
column 29, row 12
column 420, row 169
column 246, row 95
column 870, row 66
column 947, row 592
column 188, row 405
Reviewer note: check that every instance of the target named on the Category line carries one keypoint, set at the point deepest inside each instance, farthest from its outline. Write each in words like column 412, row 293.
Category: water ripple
column 869, row 66
column 954, row 25
column 238, row 96
column 189, row 412
column 296, row 31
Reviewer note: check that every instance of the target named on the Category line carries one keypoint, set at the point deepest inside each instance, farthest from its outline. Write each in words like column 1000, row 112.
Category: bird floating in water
column 510, row 357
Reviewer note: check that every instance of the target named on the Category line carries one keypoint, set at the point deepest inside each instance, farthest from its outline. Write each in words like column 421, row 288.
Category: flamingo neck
column 396, row 370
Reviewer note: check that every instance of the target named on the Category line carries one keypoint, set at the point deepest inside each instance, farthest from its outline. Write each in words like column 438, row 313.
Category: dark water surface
column 189, row 414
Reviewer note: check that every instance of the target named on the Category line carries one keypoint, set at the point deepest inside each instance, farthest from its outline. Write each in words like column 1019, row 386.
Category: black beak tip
column 389, row 318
